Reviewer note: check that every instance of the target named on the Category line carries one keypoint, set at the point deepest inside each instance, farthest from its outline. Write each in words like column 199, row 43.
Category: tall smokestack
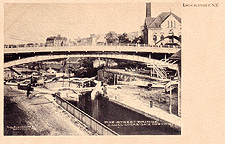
column 148, row 9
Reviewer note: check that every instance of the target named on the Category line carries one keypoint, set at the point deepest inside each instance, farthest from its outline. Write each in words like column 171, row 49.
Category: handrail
column 98, row 44
column 109, row 131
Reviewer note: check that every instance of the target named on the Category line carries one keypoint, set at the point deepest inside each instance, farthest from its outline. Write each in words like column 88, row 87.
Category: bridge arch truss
column 137, row 58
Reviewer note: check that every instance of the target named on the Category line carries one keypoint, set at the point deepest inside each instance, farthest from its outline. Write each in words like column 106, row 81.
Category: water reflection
column 122, row 120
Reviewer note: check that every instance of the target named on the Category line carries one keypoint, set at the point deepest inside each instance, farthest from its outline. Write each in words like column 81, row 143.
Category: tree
column 123, row 38
column 111, row 37
column 139, row 40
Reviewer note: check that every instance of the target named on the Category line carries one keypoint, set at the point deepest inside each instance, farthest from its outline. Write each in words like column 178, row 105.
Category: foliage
column 123, row 38
column 139, row 40
column 111, row 37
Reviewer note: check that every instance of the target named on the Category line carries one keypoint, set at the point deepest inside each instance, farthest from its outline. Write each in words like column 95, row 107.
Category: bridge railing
column 84, row 118
column 87, row 44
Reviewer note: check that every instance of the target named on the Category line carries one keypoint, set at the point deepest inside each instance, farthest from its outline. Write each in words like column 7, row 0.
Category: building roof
column 149, row 20
column 156, row 22
column 176, row 56
column 56, row 38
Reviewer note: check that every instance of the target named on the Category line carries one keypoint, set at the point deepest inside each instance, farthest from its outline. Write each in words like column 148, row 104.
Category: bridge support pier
column 151, row 72
column 149, row 56
column 115, row 79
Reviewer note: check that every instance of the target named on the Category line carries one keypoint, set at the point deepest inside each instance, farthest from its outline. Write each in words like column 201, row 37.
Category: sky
column 26, row 22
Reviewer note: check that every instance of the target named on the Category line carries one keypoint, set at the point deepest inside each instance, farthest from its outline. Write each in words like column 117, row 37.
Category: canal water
column 120, row 119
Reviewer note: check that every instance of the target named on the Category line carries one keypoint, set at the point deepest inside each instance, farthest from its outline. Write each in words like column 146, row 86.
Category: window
column 154, row 37
column 162, row 37
column 171, row 24
column 171, row 34
column 168, row 24
column 174, row 24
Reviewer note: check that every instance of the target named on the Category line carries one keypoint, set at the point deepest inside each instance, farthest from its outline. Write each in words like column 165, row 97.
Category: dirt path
column 37, row 116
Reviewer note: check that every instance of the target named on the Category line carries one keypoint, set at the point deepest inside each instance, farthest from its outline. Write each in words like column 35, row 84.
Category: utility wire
column 21, row 39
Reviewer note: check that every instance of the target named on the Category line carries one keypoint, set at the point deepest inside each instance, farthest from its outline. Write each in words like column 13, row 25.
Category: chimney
column 148, row 9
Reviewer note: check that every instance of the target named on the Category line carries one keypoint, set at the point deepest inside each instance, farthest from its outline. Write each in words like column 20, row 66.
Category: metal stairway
column 160, row 71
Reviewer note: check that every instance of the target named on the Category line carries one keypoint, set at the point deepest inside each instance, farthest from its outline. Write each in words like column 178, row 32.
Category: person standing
column 104, row 90
column 28, row 89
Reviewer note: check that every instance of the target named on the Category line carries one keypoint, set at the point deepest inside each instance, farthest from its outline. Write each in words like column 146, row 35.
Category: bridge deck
column 92, row 48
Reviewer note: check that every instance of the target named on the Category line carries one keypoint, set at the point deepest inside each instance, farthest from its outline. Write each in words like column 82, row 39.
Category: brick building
column 165, row 29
